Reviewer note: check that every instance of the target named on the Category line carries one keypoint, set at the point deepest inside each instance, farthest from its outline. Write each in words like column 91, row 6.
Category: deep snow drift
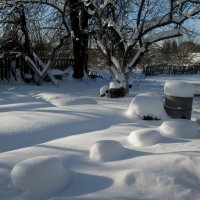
column 68, row 143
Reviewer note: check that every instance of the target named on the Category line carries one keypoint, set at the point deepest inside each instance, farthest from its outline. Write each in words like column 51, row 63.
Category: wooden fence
column 154, row 70
column 10, row 64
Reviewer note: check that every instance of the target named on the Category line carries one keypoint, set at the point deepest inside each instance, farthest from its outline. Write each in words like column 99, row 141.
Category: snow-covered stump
column 178, row 99
column 116, row 90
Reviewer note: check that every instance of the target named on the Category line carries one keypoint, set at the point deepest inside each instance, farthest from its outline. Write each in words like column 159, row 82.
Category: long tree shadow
column 87, row 122
column 83, row 184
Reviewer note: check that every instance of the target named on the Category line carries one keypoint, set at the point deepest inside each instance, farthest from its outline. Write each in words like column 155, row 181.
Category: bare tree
column 146, row 22
column 75, row 20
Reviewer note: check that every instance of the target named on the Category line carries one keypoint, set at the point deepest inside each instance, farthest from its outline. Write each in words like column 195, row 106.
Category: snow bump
column 107, row 150
column 145, row 137
column 40, row 177
column 180, row 128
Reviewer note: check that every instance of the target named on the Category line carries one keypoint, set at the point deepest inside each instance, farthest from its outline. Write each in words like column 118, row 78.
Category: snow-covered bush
column 147, row 106
column 40, row 177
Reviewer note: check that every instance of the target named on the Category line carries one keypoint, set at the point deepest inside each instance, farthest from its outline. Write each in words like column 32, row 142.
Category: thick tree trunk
column 27, row 46
column 74, row 17
column 84, row 17
column 79, row 24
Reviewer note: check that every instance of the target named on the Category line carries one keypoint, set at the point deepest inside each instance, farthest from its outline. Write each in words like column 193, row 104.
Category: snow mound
column 107, row 150
column 179, row 89
column 147, row 105
column 145, row 137
column 40, row 177
column 180, row 128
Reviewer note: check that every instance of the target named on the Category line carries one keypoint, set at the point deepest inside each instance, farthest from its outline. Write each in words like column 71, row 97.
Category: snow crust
column 179, row 89
column 180, row 128
column 40, row 177
column 147, row 104
column 106, row 150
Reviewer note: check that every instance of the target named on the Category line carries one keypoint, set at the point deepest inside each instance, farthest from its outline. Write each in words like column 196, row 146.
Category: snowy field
column 67, row 143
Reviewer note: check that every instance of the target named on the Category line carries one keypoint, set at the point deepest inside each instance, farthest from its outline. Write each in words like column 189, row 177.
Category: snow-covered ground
column 64, row 143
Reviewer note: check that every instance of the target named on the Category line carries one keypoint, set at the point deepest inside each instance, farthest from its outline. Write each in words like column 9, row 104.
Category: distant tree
column 174, row 47
column 166, row 47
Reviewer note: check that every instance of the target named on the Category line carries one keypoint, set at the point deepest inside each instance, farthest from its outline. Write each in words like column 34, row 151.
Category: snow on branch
column 162, row 35
column 52, row 3
column 116, row 28
column 102, row 47
column 106, row 3
column 150, row 40
column 44, row 71
column 161, row 21
column 190, row 14
column 165, row 20
column 116, row 63
column 179, row 3
column 86, row 3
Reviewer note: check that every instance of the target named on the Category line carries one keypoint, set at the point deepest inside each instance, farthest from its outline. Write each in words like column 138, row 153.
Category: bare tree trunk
column 77, row 46
column 27, row 44
column 84, row 17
